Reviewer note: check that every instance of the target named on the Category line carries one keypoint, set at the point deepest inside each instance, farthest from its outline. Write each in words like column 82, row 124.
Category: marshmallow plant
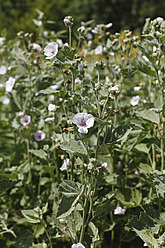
column 82, row 137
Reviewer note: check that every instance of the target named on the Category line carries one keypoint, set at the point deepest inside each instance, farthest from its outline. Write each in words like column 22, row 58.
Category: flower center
column 83, row 123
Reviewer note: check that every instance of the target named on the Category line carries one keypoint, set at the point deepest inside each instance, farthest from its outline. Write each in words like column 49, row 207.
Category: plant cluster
column 82, row 138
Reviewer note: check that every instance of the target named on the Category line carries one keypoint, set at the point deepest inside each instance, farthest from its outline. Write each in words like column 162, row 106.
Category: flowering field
column 82, row 133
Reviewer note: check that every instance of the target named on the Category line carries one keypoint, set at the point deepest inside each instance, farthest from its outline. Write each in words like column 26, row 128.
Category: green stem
column 70, row 36
column 47, row 234
column 84, row 218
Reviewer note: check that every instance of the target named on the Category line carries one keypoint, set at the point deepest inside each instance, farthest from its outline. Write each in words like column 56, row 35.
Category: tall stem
column 70, row 36
column 47, row 234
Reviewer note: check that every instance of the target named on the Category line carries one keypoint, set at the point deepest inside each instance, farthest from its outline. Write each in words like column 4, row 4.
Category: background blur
column 16, row 15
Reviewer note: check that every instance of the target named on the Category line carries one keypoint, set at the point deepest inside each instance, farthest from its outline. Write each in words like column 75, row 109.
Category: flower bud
column 68, row 21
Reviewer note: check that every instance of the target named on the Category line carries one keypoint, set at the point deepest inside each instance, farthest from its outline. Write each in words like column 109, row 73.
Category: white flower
column 65, row 164
column 135, row 100
column 145, row 244
column 115, row 89
column 25, row 120
column 10, row 84
column 83, row 121
column 159, row 19
column 51, row 98
column 52, row 107
column 98, row 50
column 78, row 245
column 6, row 101
column 3, row 70
column 51, row 50
column 49, row 119
column 39, row 135
column 136, row 88
column 104, row 165
column 119, row 210
column 37, row 47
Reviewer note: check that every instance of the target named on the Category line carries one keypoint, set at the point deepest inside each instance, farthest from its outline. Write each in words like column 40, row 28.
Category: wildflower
column 65, row 164
column 3, row 70
column 89, row 36
column 98, row 50
column 145, row 244
column 25, row 120
column 45, row 33
column 83, row 121
column 49, row 119
column 115, row 89
column 104, row 165
column 39, row 135
column 51, row 50
column 68, row 21
column 159, row 19
column 119, row 210
column 136, row 88
column 52, row 107
column 78, row 245
column 6, row 101
column 135, row 100
column 59, row 42
column 10, row 84
column 37, row 47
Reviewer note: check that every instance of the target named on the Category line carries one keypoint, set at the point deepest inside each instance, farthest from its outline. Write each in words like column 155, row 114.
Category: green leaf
column 130, row 197
column 39, row 153
column 144, row 68
column 71, row 193
column 145, row 168
column 149, row 116
column 142, row 148
column 31, row 216
column 75, row 147
column 150, row 57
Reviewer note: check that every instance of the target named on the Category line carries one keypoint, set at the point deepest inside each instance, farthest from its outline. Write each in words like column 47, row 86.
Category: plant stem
column 47, row 234
column 70, row 36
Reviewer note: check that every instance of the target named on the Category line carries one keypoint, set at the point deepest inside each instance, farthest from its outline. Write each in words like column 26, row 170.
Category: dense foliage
column 82, row 127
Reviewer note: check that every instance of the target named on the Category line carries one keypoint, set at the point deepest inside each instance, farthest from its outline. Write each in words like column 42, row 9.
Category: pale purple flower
column 61, row 220
column 159, row 19
column 135, row 100
column 3, row 70
column 83, row 121
column 49, row 119
column 45, row 33
column 98, row 50
column 39, row 135
column 78, row 245
column 52, row 107
column 104, row 165
column 65, row 164
column 51, row 50
column 25, row 120
column 10, row 84
column 37, row 47
column 119, row 210
column 89, row 36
